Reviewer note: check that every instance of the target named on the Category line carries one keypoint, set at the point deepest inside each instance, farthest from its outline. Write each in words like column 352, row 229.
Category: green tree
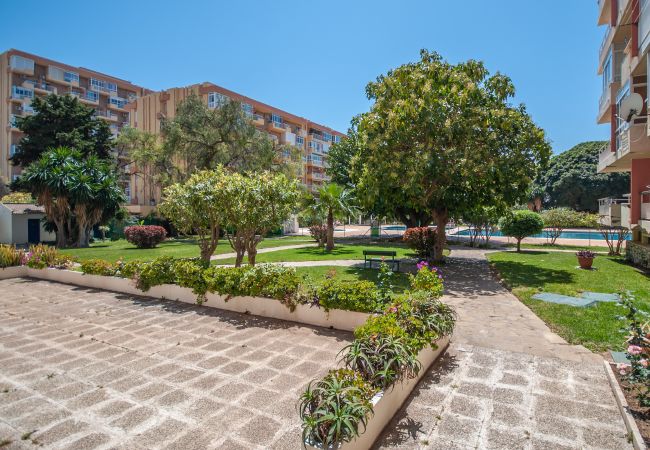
column 572, row 179
column 446, row 138
column 61, row 121
column 76, row 192
column 557, row 220
column 345, row 161
column 197, row 206
column 254, row 205
column 520, row 224
column 333, row 201
column 483, row 221
column 201, row 138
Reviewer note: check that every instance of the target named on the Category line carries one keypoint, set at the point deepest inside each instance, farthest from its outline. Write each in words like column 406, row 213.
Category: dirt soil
column 641, row 415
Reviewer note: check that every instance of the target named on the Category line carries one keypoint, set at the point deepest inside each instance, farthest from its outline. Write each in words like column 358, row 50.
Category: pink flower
column 422, row 264
column 392, row 309
column 644, row 362
column 622, row 368
column 634, row 350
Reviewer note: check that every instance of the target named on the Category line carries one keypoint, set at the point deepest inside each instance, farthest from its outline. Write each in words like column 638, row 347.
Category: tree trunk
column 207, row 247
column 251, row 249
column 518, row 245
column 330, row 231
column 441, row 218
column 61, row 237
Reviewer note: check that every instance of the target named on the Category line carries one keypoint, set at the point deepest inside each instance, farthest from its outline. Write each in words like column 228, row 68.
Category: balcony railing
column 603, row 43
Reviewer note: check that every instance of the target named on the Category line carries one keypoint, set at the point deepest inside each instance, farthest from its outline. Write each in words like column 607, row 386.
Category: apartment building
column 24, row 76
column 313, row 140
column 624, row 64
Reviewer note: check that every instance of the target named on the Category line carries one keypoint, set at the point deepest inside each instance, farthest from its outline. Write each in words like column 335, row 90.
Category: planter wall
column 258, row 306
column 387, row 404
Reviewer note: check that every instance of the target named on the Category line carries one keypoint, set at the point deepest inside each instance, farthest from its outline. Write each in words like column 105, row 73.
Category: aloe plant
column 381, row 360
column 335, row 409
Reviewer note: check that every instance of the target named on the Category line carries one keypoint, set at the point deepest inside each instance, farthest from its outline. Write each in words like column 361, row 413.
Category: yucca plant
column 381, row 360
column 11, row 256
column 335, row 409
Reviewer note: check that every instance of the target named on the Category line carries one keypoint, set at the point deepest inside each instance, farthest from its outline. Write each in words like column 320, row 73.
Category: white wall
column 5, row 225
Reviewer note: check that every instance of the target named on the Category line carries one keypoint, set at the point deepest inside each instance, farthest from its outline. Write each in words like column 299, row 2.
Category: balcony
column 276, row 126
column 631, row 142
column 605, row 102
column 19, row 93
column 605, row 44
column 604, row 12
column 609, row 210
column 257, row 119
column 107, row 115
column 90, row 98
column 40, row 87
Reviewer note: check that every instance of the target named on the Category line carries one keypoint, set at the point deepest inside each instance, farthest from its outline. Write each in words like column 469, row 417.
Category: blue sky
column 314, row 58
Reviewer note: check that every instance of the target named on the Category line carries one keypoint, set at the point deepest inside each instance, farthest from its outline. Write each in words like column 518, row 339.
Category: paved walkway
column 265, row 250
column 506, row 381
column 83, row 369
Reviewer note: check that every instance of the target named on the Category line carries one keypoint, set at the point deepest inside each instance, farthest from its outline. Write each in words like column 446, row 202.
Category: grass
column 596, row 327
column 178, row 248
column 341, row 251
column 317, row 275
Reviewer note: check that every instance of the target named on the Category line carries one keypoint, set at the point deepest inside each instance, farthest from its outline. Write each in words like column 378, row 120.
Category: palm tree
column 334, row 201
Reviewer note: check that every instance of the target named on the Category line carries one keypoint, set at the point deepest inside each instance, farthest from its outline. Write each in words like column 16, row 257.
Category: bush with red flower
column 636, row 374
column 428, row 278
column 145, row 236
column 422, row 240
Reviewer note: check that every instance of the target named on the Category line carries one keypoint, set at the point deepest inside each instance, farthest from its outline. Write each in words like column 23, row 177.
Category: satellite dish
column 631, row 106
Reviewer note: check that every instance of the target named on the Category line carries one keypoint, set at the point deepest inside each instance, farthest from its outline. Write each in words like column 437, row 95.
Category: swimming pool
column 592, row 235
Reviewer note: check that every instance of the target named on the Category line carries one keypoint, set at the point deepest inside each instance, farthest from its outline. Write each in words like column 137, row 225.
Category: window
column 327, row 136
column 127, row 192
column 276, row 118
column 300, row 141
column 247, row 108
column 15, row 176
column 20, row 63
column 21, row 92
column 92, row 96
column 316, row 146
column 28, row 108
column 12, row 150
column 59, row 74
column 102, row 86
column 117, row 101
column 336, row 139
column 216, row 100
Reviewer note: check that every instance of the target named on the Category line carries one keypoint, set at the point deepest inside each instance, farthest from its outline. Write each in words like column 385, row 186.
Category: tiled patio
column 89, row 369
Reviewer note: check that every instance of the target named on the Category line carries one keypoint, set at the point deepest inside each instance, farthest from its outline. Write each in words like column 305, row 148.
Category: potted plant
column 585, row 258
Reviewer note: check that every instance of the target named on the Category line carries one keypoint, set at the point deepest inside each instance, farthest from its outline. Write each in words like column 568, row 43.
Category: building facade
column 286, row 129
column 623, row 65
column 24, row 76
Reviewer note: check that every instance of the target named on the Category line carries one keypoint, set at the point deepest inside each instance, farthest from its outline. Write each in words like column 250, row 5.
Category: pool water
column 593, row 235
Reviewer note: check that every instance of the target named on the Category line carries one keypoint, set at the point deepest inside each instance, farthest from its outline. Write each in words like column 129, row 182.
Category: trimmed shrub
column 360, row 296
column 11, row 256
column 145, row 236
column 421, row 239
column 319, row 233
column 520, row 224
column 98, row 267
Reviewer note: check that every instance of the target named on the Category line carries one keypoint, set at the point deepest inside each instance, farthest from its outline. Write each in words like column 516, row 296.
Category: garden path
column 265, row 250
column 506, row 381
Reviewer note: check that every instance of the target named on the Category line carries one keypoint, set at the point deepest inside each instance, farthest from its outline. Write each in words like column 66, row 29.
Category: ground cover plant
column 385, row 350
column 595, row 327
column 11, row 256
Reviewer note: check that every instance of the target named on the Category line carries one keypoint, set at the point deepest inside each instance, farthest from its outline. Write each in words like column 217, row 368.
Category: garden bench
column 368, row 257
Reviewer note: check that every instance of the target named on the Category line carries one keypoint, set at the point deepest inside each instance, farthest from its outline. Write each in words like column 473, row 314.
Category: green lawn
column 341, row 251
column 178, row 248
column 595, row 327
column 316, row 275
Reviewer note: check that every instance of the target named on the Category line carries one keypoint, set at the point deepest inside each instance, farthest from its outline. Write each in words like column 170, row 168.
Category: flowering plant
column 636, row 373
column 585, row 254
column 428, row 278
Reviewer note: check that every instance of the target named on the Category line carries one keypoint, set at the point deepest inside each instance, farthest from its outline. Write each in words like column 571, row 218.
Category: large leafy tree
column 200, row 138
column 198, row 206
column 447, row 138
column 572, row 180
column 61, row 121
column 345, row 159
column 76, row 192
column 256, row 204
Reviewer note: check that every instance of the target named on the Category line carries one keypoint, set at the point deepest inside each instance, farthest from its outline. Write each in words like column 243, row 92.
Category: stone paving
column 89, row 369
column 506, row 381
